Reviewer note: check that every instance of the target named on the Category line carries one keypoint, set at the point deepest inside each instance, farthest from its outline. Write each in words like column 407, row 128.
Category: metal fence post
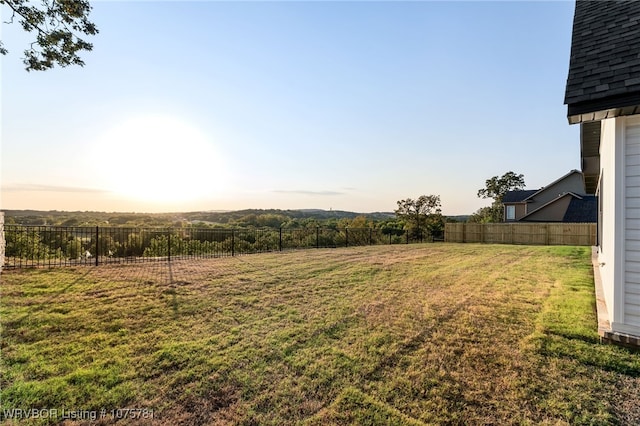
column 280, row 241
column 317, row 237
column 233, row 243
column 169, row 245
column 346, row 237
column 97, row 243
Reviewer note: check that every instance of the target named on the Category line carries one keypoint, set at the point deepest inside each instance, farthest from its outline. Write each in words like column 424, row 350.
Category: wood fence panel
column 473, row 233
column 578, row 234
column 453, row 232
column 575, row 234
column 492, row 234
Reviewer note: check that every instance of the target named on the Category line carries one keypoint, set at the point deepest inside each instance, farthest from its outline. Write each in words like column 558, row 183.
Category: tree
column 58, row 25
column 421, row 216
column 357, row 222
column 483, row 215
column 496, row 188
column 271, row 220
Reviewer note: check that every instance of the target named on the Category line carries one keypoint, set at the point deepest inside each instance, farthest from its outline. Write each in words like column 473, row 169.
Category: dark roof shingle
column 582, row 210
column 518, row 196
column 604, row 69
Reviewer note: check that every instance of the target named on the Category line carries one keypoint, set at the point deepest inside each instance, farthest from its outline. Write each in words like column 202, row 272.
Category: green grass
column 396, row 335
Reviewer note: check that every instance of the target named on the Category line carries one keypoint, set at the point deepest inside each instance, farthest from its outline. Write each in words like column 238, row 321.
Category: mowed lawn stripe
column 414, row 334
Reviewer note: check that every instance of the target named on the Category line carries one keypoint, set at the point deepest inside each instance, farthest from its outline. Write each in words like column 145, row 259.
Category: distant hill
column 318, row 214
column 226, row 218
column 80, row 218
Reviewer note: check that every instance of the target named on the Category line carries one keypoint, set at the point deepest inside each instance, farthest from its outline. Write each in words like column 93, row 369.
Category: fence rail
column 54, row 246
column 575, row 234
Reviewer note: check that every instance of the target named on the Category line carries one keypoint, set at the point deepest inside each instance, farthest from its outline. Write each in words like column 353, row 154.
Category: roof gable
column 572, row 185
column 537, row 212
column 604, row 69
column 554, row 183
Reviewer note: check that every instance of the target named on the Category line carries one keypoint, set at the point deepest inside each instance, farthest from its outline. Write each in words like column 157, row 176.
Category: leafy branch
column 58, row 25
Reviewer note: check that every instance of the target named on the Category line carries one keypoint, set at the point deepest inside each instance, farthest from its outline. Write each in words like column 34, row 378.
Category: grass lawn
column 393, row 335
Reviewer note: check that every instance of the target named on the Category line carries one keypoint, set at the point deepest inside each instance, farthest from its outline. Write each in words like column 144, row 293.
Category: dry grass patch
column 419, row 334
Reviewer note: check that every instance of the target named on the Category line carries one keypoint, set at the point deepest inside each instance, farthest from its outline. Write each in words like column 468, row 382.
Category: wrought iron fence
column 53, row 246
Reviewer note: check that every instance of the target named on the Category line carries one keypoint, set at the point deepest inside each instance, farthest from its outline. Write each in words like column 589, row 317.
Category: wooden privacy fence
column 568, row 234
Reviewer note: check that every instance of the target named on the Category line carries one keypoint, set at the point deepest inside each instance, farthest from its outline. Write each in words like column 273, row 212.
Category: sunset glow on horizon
column 186, row 106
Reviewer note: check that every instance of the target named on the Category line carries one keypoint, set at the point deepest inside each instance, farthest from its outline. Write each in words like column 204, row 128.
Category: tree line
column 249, row 218
column 419, row 216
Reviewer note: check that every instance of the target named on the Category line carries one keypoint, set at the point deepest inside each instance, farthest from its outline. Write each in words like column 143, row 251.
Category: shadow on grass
column 172, row 291
column 589, row 351
column 593, row 340
column 18, row 322
column 353, row 406
column 68, row 286
column 567, row 324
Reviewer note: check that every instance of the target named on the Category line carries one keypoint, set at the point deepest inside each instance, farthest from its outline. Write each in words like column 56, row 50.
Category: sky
column 343, row 105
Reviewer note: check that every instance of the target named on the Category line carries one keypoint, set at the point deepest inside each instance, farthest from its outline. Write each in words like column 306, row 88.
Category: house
column 564, row 200
column 515, row 204
column 603, row 97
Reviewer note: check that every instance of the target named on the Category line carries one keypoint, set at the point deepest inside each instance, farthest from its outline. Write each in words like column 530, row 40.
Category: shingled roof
column 582, row 209
column 518, row 196
column 604, row 69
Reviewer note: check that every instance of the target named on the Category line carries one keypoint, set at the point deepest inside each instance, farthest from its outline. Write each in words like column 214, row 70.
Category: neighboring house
column 515, row 204
column 603, row 96
column 564, row 200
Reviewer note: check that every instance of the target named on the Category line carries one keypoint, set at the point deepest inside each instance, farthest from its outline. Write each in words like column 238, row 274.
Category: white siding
column 632, row 256
column 609, row 226
column 632, row 279
column 634, row 290
column 632, row 266
column 633, row 202
column 632, row 225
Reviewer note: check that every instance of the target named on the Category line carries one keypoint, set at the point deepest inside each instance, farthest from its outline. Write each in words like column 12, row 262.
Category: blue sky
column 354, row 105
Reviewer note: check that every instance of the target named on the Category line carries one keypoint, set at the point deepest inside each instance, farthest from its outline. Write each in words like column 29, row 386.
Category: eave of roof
column 590, row 155
column 604, row 70
column 601, row 109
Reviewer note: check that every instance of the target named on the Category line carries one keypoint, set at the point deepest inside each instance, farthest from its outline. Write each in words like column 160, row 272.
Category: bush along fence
column 574, row 234
column 52, row 246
